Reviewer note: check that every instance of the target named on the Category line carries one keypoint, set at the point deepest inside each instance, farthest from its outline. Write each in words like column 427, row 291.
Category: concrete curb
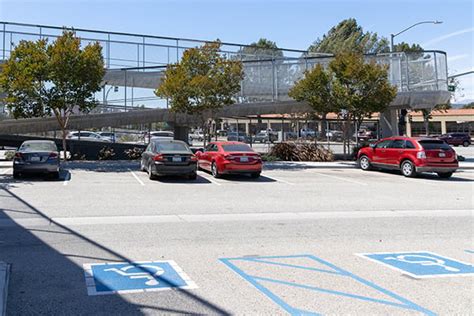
column 4, row 277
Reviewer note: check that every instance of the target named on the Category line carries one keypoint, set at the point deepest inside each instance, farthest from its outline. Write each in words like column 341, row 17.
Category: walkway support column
column 389, row 123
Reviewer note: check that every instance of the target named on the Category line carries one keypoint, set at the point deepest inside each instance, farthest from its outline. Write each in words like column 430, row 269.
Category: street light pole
column 392, row 36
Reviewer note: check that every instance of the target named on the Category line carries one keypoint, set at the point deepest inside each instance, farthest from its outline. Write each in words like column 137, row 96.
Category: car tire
column 54, row 175
column 408, row 169
column 151, row 176
column 142, row 166
column 255, row 175
column 215, row 171
column 445, row 175
column 364, row 163
column 192, row 176
column 16, row 175
column 465, row 143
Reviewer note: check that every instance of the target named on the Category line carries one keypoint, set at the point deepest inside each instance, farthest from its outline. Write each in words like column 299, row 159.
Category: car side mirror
column 198, row 153
column 372, row 146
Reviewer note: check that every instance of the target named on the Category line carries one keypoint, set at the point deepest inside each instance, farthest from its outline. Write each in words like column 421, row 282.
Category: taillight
column 53, row 155
column 18, row 155
column 194, row 158
column 421, row 155
column 229, row 157
column 158, row 157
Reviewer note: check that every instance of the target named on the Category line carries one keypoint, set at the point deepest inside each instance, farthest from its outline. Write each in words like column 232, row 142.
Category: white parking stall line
column 278, row 180
column 6, row 171
column 340, row 178
column 201, row 174
column 136, row 177
column 67, row 178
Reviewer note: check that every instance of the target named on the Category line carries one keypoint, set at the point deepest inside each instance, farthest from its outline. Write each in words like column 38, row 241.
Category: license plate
column 35, row 159
column 442, row 155
column 176, row 159
column 244, row 159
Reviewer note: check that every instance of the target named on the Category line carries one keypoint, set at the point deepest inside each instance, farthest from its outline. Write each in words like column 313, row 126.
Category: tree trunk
column 426, row 120
column 324, row 122
column 64, row 144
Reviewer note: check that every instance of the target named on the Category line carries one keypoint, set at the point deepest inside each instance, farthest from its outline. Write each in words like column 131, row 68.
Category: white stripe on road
column 202, row 173
column 278, row 180
column 67, row 178
column 340, row 178
column 136, row 177
column 6, row 171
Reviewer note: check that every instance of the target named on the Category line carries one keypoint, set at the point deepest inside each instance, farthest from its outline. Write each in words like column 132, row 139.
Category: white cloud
column 443, row 37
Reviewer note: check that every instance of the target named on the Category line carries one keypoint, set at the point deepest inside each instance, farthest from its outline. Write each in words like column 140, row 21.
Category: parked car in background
column 165, row 135
column 308, row 133
column 264, row 137
column 88, row 136
column 110, row 136
column 238, row 137
column 230, row 158
column 334, row 135
column 197, row 135
column 36, row 156
column 410, row 155
column 169, row 157
column 456, row 139
column 221, row 132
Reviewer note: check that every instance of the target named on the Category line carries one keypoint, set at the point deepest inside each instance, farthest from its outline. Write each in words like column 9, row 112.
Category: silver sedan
column 36, row 156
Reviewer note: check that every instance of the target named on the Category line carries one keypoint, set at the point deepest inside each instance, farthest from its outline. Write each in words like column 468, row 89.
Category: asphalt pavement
column 290, row 242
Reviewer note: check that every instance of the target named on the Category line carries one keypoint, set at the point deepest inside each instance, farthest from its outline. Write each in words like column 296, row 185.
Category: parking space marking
column 136, row 177
column 6, row 171
column 245, row 267
column 340, row 178
column 67, row 178
column 278, row 180
column 210, row 179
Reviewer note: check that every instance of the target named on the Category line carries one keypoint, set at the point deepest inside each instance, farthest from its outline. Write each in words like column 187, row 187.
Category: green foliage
column 202, row 82
column 360, row 88
column 407, row 48
column 263, row 48
column 106, row 153
column 468, row 106
column 348, row 36
column 134, row 153
column 315, row 89
column 9, row 155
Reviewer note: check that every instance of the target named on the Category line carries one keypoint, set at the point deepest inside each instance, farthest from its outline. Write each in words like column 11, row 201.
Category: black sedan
column 169, row 157
column 36, row 156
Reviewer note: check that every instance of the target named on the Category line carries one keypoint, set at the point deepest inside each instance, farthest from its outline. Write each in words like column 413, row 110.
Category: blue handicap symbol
column 108, row 278
column 422, row 264
column 318, row 267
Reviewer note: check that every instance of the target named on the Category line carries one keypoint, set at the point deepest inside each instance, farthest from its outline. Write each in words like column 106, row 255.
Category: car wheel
column 408, row 169
column 364, row 163
column 142, row 166
column 255, row 175
column 55, row 175
column 151, row 176
column 465, row 143
column 192, row 176
column 445, row 175
column 214, row 171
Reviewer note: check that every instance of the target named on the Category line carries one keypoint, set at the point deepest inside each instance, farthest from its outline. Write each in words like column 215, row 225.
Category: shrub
column 292, row 151
column 106, row 153
column 267, row 157
column 134, row 153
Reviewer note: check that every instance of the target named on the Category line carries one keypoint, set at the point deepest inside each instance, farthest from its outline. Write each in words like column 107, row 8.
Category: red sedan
column 410, row 156
column 230, row 158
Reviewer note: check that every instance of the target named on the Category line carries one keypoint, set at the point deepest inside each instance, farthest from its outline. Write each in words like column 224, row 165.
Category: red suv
column 410, row 156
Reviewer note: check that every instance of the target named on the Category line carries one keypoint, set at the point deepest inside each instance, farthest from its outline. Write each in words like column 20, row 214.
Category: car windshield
column 237, row 147
column 434, row 144
column 106, row 134
column 171, row 146
column 38, row 146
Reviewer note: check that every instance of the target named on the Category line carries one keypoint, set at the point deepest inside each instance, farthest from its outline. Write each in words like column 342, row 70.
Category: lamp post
column 392, row 36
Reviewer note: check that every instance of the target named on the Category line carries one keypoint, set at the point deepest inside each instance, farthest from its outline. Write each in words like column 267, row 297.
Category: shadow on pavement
column 181, row 180
column 456, row 177
column 103, row 166
column 295, row 166
column 44, row 281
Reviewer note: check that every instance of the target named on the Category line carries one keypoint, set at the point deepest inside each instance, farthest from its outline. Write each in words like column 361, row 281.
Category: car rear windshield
column 38, row 147
column 237, row 147
column 171, row 146
column 434, row 144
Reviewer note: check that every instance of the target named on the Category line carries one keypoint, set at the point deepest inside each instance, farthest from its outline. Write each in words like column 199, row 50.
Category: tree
column 263, row 48
column 407, row 48
column 348, row 36
column 315, row 89
column 468, row 106
column 359, row 88
column 59, row 79
column 202, row 83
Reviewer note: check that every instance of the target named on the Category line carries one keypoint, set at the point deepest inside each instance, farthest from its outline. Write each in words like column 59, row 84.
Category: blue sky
column 292, row 24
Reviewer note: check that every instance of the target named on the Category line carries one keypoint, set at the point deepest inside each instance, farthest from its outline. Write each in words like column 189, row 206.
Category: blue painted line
column 290, row 265
column 263, row 289
column 318, row 289
column 254, row 280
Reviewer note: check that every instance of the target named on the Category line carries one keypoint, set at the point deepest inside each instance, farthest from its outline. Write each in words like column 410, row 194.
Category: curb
column 4, row 277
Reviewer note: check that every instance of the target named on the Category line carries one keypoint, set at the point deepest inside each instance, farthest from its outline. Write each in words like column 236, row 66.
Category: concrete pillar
column 320, row 126
column 247, row 130
column 408, row 127
column 389, row 123
column 443, row 127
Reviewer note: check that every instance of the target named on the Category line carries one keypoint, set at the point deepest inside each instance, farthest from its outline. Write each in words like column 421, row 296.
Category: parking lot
column 287, row 242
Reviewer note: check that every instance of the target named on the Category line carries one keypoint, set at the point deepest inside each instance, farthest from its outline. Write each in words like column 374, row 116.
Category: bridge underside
column 413, row 100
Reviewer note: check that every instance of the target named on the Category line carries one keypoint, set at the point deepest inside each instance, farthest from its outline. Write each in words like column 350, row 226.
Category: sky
column 290, row 23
